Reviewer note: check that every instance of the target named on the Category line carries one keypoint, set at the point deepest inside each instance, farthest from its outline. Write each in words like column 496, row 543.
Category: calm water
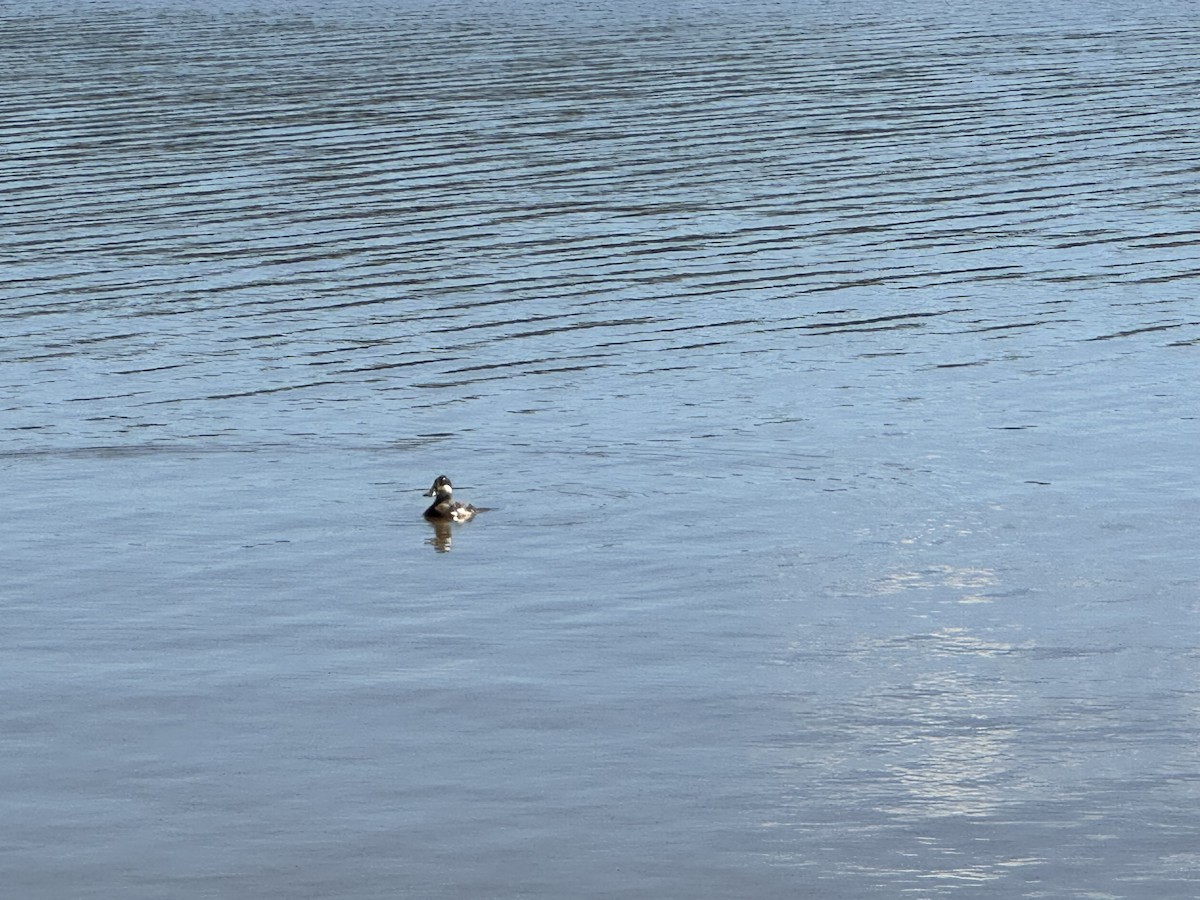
column 830, row 371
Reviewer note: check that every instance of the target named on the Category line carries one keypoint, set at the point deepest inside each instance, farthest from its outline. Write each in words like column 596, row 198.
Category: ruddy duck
column 443, row 508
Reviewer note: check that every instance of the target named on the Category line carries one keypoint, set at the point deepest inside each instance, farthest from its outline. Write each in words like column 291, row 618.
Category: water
column 830, row 372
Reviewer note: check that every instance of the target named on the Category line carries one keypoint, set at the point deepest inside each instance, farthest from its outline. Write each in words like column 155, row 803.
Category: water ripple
column 369, row 192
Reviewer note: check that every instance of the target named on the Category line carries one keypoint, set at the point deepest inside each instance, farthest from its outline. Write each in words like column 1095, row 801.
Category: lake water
column 830, row 372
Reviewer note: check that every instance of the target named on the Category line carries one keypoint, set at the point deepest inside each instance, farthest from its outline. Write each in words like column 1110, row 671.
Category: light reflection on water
column 829, row 374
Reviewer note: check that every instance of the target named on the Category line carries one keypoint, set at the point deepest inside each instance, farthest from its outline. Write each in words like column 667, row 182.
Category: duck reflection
column 443, row 535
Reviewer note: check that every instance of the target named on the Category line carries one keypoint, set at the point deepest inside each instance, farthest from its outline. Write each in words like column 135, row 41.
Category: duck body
column 445, row 509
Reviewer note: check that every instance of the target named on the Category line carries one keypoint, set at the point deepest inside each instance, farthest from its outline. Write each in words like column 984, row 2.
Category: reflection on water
column 443, row 535
column 938, row 576
column 961, row 758
column 833, row 369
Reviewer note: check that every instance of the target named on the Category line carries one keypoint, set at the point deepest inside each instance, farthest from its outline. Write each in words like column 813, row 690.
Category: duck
column 443, row 509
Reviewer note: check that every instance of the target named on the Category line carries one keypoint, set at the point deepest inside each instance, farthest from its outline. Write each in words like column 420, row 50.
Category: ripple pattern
column 353, row 204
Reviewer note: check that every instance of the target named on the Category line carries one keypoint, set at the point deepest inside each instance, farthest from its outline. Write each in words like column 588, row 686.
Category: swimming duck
column 445, row 509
